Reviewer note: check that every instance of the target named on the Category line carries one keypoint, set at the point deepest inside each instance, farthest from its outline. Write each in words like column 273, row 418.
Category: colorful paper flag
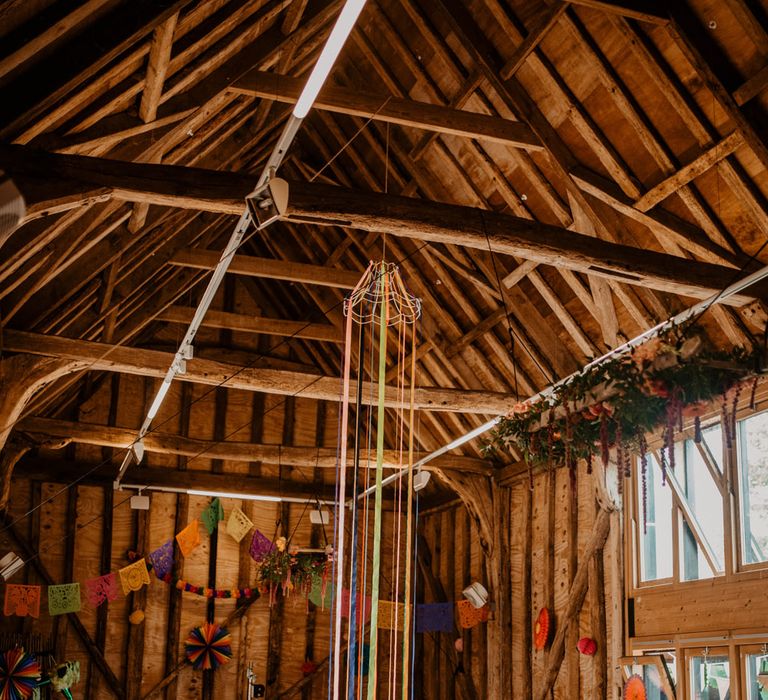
column 22, row 600
column 238, row 525
column 323, row 602
column 212, row 515
column 261, row 545
column 162, row 559
column 469, row 615
column 100, row 590
column 434, row 617
column 189, row 538
column 391, row 615
column 364, row 606
column 64, row 598
column 134, row 576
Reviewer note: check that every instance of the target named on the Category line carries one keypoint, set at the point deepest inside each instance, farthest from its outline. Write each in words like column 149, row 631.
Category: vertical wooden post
column 180, row 522
column 105, row 564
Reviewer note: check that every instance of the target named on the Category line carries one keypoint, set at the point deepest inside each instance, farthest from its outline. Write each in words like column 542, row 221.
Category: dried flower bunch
column 615, row 404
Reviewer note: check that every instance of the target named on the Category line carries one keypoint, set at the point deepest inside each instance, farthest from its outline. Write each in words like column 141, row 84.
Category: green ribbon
column 375, row 574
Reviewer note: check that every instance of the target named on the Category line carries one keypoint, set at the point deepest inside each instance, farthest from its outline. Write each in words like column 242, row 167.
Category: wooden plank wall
column 551, row 523
column 71, row 548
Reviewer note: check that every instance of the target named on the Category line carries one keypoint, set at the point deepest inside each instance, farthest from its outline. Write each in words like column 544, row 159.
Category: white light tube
column 341, row 30
column 225, row 494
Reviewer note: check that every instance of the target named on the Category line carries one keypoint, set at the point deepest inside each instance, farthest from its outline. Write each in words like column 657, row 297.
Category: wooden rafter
column 395, row 110
column 399, row 216
column 151, row 363
column 38, row 88
column 230, row 449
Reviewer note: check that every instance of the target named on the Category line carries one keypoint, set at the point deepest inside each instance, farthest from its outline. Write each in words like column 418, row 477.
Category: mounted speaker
column 268, row 203
column 12, row 207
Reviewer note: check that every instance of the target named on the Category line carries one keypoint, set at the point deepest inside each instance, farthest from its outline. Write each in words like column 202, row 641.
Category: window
column 709, row 676
column 692, row 502
column 702, row 533
column 757, row 676
column 656, row 531
column 753, row 488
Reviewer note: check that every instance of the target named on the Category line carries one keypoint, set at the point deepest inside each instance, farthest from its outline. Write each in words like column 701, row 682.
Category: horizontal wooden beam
column 52, row 182
column 254, row 324
column 152, row 363
column 522, row 238
column 166, row 443
column 381, row 213
column 395, row 110
column 269, row 267
column 64, row 471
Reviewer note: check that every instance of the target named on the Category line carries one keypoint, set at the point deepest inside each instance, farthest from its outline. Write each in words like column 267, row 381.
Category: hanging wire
column 508, row 315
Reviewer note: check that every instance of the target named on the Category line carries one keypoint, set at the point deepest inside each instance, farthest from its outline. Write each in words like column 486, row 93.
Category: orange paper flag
column 189, row 538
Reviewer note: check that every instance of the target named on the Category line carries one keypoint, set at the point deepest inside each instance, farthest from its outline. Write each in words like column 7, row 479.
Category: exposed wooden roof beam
column 151, row 363
column 269, row 267
column 540, row 29
column 254, row 324
column 475, row 228
column 691, row 171
column 396, row 110
column 643, row 10
column 157, row 65
column 79, row 59
column 64, row 471
column 400, row 216
column 166, row 443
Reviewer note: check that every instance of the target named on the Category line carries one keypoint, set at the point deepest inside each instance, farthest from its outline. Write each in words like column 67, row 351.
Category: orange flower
column 518, row 408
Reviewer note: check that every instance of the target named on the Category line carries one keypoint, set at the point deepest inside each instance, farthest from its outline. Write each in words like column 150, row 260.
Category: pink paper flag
column 101, row 589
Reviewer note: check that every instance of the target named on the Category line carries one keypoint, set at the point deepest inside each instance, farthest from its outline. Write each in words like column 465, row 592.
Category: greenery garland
column 616, row 403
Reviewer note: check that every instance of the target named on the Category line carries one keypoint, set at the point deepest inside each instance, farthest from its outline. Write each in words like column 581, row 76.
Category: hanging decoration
column 434, row 617
column 542, row 629
column 134, row 576
column 613, row 405
column 391, row 615
column 384, row 311
column 634, row 688
column 321, row 594
column 212, row 515
column 189, row 538
column 162, row 560
column 208, row 646
column 19, row 674
column 22, row 600
column 238, row 525
column 101, row 589
column 288, row 572
column 470, row 616
column 587, row 646
column 261, row 546
column 64, row 598
column 136, row 617
column 63, row 677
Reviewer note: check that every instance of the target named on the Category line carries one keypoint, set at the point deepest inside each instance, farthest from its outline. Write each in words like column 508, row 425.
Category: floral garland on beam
column 613, row 405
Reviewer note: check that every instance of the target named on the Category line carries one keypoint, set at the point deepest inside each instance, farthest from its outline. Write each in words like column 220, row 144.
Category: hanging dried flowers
column 613, row 405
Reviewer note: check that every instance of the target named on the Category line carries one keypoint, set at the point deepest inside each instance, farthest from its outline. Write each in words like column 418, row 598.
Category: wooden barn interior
column 554, row 180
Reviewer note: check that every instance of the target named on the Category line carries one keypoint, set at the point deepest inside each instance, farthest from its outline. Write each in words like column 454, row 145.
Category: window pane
column 757, row 677
column 710, row 678
column 753, row 487
column 713, row 439
column 707, row 505
column 656, row 541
